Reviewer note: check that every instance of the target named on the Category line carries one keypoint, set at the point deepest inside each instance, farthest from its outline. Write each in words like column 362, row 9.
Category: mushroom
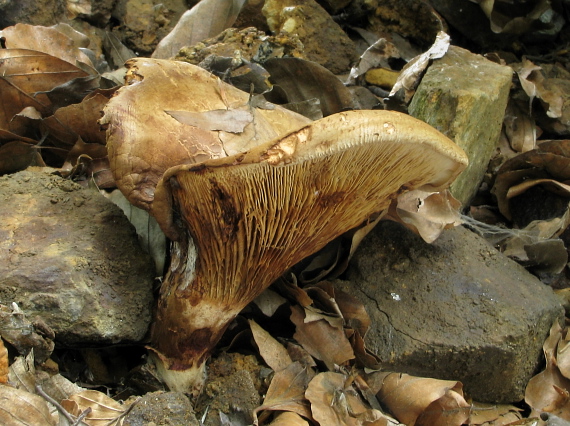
column 239, row 222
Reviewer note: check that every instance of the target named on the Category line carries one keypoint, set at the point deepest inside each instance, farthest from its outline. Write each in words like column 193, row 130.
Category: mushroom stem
column 240, row 222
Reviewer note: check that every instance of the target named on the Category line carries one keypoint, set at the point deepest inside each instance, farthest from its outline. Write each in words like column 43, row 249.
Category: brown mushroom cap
column 255, row 214
column 144, row 138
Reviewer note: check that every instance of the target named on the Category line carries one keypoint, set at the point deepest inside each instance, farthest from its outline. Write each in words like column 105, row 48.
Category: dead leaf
column 520, row 127
column 335, row 402
column 21, row 408
column 22, row 373
column 513, row 23
column 104, row 410
column 60, row 46
column 273, row 353
column 287, row 392
column 550, row 160
column 27, row 73
column 410, row 76
column 376, row 56
column 321, row 340
column 227, row 120
column 494, row 414
column 4, row 368
column 206, row 19
column 428, row 214
column 408, row 398
column 548, row 390
column 303, row 80
column 269, row 301
column 289, row 419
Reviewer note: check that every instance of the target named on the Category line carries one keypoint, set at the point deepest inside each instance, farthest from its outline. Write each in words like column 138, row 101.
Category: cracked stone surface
column 456, row 309
column 70, row 256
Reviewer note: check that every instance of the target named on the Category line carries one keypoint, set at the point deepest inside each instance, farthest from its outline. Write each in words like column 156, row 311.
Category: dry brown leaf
column 104, row 410
column 227, row 120
column 375, row 56
column 410, row 76
column 78, row 121
column 303, row 80
column 21, row 408
column 513, row 24
column 33, row 37
column 563, row 353
column 25, row 74
column 493, row 414
column 548, row 390
column 273, row 353
column 22, row 373
column 269, row 301
column 409, row 397
column 4, row 366
column 449, row 410
column 17, row 155
column 520, row 128
column 428, row 214
column 206, row 19
column 287, row 392
column 321, row 340
column 550, row 160
column 289, row 419
column 335, row 402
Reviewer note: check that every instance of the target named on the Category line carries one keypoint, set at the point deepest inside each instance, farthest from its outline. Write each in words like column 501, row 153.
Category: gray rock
column 34, row 12
column 464, row 96
column 70, row 256
column 456, row 309
column 162, row 408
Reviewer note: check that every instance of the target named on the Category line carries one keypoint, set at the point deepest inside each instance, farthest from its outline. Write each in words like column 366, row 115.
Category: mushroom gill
column 239, row 222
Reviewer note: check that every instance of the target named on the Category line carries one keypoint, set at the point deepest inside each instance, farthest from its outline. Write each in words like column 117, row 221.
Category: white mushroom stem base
column 188, row 323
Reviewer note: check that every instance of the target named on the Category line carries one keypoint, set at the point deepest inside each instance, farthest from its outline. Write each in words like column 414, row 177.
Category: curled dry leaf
column 21, row 408
column 27, row 73
column 4, row 369
column 549, row 390
column 409, row 398
column 335, row 402
column 25, row 336
column 273, row 353
column 550, row 160
column 520, row 127
column 493, row 414
column 104, row 410
column 33, row 37
column 375, row 56
column 303, row 80
column 206, row 19
column 287, row 392
column 321, row 339
column 426, row 213
column 410, row 76
column 289, row 419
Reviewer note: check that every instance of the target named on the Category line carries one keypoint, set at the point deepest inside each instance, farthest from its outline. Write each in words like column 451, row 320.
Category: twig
column 57, row 405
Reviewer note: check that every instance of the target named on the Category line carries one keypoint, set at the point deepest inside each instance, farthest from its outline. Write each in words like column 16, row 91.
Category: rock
column 145, row 22
column 162, row 408
column 464, row 96
column 232, row 390
column 70, row 256
column 324, row 41
column 34, row 12
column 456, row 309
